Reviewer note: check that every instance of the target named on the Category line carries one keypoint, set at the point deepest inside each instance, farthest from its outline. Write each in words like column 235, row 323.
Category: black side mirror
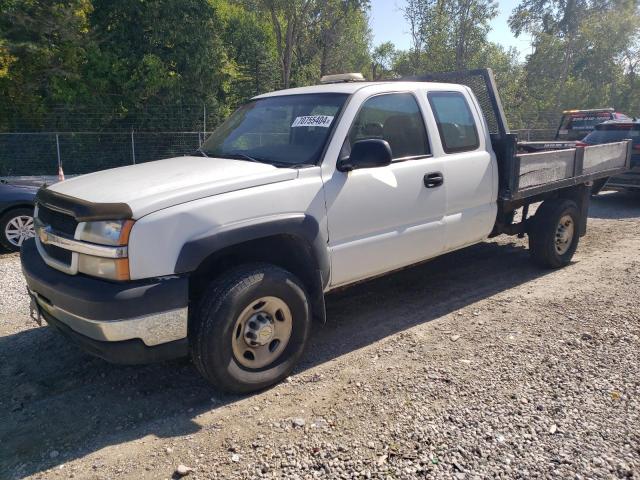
column 370, row 153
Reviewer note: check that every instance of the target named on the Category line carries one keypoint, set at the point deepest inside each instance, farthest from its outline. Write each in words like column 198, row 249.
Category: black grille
column 57, row 253
column 60, row 222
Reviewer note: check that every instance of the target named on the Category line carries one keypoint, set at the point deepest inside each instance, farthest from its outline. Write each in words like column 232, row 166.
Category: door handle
column 433, row 180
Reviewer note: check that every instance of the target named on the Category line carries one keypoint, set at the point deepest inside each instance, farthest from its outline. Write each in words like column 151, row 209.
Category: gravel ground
column 474, row 365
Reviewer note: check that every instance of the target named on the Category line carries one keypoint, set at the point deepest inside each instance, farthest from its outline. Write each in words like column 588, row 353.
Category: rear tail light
column 581, row 144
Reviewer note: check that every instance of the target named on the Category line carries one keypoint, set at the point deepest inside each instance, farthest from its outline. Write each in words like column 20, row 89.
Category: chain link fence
column 35, row 141
column 41, row 153
column 535, row 134
column 83, row 141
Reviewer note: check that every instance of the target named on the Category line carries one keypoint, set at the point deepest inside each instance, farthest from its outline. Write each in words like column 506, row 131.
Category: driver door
column 385, row 218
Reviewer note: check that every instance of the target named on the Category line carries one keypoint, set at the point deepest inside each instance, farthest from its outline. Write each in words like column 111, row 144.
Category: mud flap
column 583, row 199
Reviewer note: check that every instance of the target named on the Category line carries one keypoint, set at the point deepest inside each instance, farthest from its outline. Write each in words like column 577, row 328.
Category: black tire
column 4, row 221
column 212, row 328
column 544, row 229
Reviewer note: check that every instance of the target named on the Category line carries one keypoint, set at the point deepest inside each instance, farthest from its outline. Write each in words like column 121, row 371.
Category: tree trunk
column 461, row 37
column 288, row 52
column 569, row 31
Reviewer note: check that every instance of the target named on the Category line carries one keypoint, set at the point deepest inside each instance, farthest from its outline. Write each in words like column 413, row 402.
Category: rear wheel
column 16, row 226
column 251, row 328
column 554, row 233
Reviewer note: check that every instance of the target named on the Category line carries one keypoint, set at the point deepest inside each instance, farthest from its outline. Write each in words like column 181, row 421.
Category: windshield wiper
column 244, row 156
column 249, row 158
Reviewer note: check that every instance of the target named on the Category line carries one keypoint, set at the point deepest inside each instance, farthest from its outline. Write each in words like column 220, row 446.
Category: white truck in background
column 226, row 255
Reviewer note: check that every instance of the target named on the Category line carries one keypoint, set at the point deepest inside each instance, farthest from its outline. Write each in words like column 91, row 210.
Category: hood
column 151, row 186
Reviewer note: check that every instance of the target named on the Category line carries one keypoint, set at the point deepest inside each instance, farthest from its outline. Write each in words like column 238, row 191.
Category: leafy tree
column 161, row 53
column 585, row 53
column 43, row 46
column 342, row 34
column 383, row 58
column 250, row 50
column 155, row 64
column 446, row 34
column 288, row 19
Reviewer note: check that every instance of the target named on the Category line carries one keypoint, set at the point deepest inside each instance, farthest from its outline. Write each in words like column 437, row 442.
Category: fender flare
column 303, row 226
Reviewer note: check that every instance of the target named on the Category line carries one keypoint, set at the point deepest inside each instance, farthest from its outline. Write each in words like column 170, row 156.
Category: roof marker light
column 342, row 77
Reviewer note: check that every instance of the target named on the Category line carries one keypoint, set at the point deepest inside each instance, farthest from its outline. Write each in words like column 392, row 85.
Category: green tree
column 251, row 52
column 383, row 59
column 583, row 53
column 288, row 19
column 342, row 35
column 43, row 47
column 446, row 34
column 160, row 53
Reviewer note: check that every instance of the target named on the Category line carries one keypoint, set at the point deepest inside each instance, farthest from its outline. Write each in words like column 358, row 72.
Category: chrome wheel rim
column 564, row 234
column 261, row 332
column 18, row 229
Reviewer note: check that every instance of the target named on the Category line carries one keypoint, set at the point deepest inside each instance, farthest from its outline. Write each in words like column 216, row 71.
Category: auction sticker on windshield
column 323, row 121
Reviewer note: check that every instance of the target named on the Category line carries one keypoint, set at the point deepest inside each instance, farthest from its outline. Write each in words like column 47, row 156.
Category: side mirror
column 370, row 153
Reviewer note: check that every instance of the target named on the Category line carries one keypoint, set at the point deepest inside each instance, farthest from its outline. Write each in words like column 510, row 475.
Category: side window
column 455, row 122
column 394, row 117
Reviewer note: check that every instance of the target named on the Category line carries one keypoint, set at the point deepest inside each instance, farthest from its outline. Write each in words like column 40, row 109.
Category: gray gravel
column 14, row 301
column 474, row 365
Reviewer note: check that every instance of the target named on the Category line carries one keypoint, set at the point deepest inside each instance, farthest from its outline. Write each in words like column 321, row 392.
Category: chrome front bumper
column 153, row 329
column 123, row 322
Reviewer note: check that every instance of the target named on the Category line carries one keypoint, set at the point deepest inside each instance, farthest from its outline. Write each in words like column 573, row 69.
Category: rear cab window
column 456, row 125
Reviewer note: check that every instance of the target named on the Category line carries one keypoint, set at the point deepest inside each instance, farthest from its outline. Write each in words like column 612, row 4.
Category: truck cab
column 226, row 255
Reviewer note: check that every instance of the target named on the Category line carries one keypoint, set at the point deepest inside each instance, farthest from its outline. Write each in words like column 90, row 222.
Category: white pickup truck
column 226, row 255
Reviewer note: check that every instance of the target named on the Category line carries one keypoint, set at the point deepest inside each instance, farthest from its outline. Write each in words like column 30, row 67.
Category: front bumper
column 129, row 322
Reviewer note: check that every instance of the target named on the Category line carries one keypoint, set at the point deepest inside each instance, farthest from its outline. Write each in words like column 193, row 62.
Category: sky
column 388, row 25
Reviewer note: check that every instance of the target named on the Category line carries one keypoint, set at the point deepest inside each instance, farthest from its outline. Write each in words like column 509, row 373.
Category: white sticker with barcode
column 323, row 121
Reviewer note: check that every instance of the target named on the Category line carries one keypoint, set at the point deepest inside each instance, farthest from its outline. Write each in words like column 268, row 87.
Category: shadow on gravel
column 58, row 404
column 615, row 205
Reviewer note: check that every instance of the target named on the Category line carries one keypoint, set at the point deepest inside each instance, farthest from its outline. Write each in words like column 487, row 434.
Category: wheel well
column 16, row 206
column 580, row 194
column 286, row 251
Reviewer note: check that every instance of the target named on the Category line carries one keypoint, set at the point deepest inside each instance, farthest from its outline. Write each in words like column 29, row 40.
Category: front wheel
column 554, row 233
column 16, row 226
column 251, row 328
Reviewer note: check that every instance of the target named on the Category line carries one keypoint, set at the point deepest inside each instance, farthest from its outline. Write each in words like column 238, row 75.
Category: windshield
column 286, row 130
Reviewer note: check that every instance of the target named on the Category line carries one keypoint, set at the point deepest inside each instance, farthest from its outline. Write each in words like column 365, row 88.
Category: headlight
column 112, row 233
